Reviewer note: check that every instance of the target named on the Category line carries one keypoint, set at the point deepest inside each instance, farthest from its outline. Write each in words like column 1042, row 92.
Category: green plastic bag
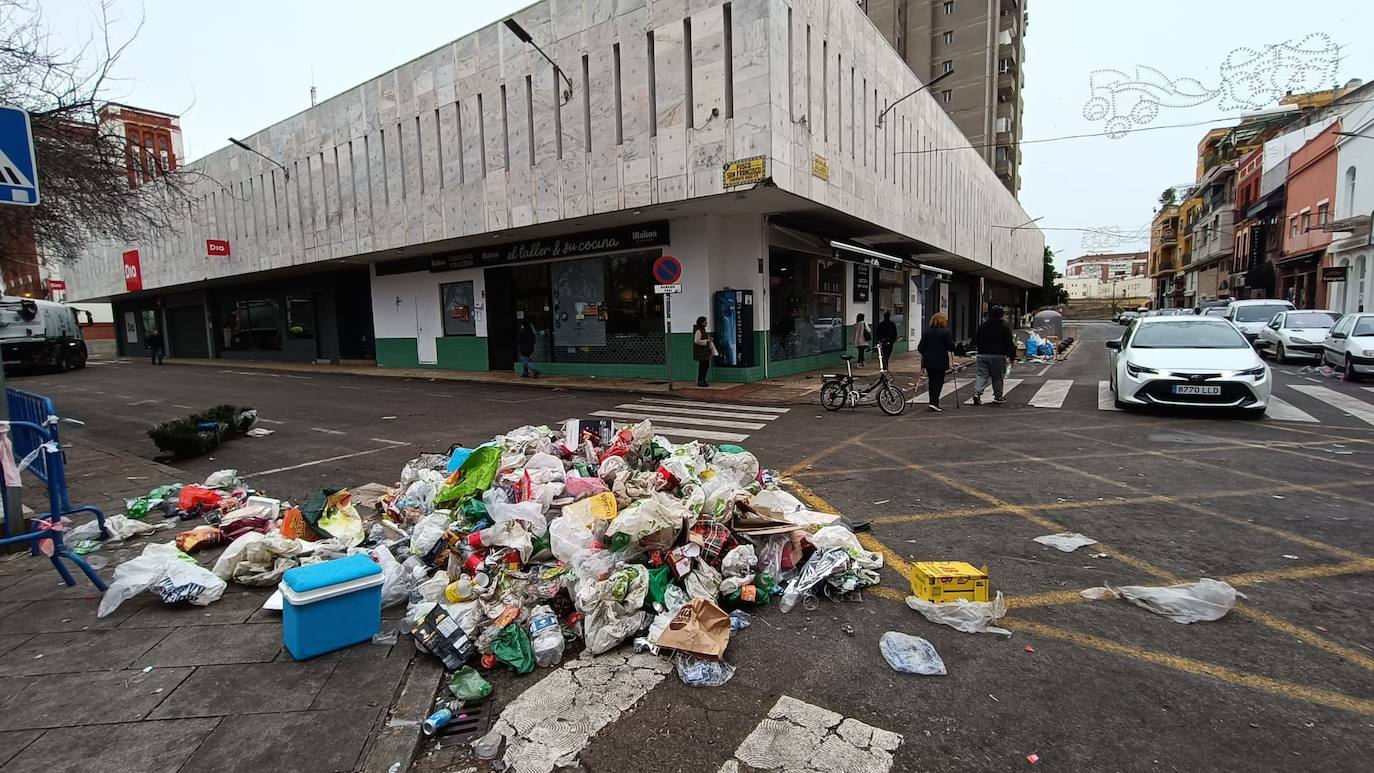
column 472, row 513
column 478, row 473
column 658, row 583
column 512, row 647
column 468, row 685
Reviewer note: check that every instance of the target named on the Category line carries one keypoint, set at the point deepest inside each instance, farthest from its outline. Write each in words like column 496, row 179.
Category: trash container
column 1049, row 322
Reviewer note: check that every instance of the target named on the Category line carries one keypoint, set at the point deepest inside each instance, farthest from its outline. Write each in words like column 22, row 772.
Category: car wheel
column 1280, row 355
column 1349, row 373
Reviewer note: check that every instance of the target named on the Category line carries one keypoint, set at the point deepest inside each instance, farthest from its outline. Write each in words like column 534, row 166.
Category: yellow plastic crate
column 943, row 581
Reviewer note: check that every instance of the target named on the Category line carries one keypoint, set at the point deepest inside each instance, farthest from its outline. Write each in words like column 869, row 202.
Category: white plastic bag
column 176, row 576
column 568, row 535
column 1193, row 602
column 611, row 468
column 742, row 468
column 911, row 654
column 531, row 513
column 647, row 517
column 1065, row 541
column 397, row 580
column 120, row 528
column 259, row 559
column 962, row 615
column 608, row 620
column 428, row 531
column 223, row 479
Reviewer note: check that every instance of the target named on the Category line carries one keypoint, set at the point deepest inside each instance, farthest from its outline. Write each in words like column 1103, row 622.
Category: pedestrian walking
column 703, row 349
column 996, row 350
column 935, row 347
column 863, row 336
column 156, row 346
column 886, row 333
column 525, row 345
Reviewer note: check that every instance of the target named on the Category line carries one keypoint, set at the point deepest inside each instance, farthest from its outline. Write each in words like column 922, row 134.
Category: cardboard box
column 944, row 581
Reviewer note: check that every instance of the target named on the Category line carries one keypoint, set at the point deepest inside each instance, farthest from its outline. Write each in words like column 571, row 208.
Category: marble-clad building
column 420, row 217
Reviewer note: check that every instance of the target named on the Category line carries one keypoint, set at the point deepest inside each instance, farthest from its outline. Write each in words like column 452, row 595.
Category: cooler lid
column 304, row 579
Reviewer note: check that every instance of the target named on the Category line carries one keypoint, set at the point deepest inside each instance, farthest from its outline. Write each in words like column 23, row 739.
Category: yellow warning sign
column 820, row 167
column 746, row 171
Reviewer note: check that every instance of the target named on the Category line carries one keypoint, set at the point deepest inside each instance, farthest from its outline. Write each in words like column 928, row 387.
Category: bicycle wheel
column 833, row 395
column 891, row 400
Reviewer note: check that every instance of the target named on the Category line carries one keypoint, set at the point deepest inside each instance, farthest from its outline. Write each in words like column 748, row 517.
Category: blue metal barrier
column 33, row 434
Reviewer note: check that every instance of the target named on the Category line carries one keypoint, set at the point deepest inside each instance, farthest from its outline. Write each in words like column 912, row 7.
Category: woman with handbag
column 703, row 349
column 863, row 336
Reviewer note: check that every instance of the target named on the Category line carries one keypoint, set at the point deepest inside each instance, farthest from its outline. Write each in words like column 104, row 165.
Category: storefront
column 1298, row 281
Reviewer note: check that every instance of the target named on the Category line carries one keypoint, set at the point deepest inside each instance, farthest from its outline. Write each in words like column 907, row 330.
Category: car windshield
column 1259, row 312
column 1192, row 334
column 1215, row 311
column 1310, row 319
column 1364, row 327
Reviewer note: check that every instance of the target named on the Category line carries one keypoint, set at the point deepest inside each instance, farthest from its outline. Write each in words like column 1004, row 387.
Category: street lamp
column 1013, row 229
column 932, row 82
column 519, row 32
column 285, row 173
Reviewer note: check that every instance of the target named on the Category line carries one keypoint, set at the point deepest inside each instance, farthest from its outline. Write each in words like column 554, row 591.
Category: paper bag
column 699, row 627
column 601, row 506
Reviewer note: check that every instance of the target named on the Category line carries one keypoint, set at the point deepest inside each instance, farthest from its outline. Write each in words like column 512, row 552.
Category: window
column 948, row 37
column 1306, row 222
column 946, row 95
column 949, row 7
column 1293, row 225
column 252, row 325
column 300, row 318
column 1350, row 189
column 947, row 66
column 1323, row 213
column 456, row 298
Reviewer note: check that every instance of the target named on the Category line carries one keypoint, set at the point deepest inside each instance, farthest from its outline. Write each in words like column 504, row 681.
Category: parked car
column 1214, row 311
column 1252, row 316
column 824, row 325
column 1296, row 333
column 1349, row 345
column 1187, row 361
column 1125, row 317
column 38, row 333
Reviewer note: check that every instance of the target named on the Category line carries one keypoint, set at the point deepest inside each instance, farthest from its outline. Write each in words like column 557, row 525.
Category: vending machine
column 734, row 326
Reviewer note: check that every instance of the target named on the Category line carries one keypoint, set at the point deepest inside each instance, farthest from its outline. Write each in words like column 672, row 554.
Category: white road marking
column 143, row 402
column 557, row 718
column 355, row 388
column 298, row 378
column 1105, row 400
column 1045, row 370
column 1007, row 385
column 697, row 412
column 699, row 434
column 1340, row 401
column 388, row 442
column 799, row 736
column 192, row 408
column 656, row 417
column 438, row 394
column 319, row 461
column 328, row 431
column 948, row 388
column 700, row 404
column 1282, row 410
column 1052, row 394
column 268, row 421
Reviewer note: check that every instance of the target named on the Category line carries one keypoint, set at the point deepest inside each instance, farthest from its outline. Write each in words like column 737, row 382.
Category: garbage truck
column 42, row 334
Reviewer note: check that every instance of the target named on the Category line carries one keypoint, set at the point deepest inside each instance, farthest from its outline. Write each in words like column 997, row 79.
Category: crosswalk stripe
column 1105, row 400
column 699, row 434
column 1007, row 386
column 698, row 412
column 688, row 420
column 1052, row 394
column 1340, row 401
column 948, row 388
column 1282, row 410
column 701, row 404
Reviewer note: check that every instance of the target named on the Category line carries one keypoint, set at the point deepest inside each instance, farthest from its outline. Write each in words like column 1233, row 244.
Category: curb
column 394, row 746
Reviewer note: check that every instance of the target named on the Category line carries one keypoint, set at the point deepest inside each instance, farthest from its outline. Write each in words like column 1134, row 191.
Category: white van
column 40, row 333
column 1251, row 316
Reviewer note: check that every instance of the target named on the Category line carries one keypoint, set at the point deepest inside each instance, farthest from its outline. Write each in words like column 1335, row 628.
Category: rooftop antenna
column 312, row 87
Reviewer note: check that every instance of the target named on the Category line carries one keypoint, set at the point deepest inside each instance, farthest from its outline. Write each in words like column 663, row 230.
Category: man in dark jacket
column 996, row 348
column 886, row 333
column 525, row 345
column 156, row 345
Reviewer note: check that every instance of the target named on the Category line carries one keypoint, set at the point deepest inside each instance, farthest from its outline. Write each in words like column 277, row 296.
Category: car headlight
column 1297, row 340
column 1367, row 353
column 1256, row 373
column 1134, row 370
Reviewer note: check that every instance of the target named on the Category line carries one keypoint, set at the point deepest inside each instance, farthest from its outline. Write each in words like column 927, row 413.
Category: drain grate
column 469, row 723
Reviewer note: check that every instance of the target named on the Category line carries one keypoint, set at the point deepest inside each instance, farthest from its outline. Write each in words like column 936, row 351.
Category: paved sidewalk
column 165, row 688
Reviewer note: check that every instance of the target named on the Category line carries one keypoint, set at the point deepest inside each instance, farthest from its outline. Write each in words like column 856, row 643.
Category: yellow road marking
column 1220, row 673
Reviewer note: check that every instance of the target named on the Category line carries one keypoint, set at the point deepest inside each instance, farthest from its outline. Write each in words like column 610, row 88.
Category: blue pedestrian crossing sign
column 18, row 169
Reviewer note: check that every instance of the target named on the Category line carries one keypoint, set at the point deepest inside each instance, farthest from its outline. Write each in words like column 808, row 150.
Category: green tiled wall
column 397, row 353
column 462, row 353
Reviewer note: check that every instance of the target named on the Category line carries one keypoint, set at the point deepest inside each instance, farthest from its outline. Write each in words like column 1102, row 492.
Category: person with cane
column 935, row 347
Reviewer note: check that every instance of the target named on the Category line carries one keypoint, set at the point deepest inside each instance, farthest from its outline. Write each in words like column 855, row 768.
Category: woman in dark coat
column 702, row 350
column 935, row 347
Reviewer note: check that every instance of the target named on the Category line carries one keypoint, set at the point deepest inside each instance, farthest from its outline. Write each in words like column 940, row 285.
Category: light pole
column 1012, row 229
column 932, row 82
column 519, row 32
column 285, row 173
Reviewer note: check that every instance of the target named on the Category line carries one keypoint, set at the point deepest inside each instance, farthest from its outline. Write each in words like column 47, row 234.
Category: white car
column 1251, row 316
column 1350, row 345
column 1188, row 361
column 1296, row 333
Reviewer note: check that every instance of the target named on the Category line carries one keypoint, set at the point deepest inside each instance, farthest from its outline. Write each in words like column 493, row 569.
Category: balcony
column 1168, row 235
column 1214, row 238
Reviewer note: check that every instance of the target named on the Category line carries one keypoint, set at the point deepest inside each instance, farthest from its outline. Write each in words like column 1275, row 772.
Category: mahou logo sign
column 133, row 271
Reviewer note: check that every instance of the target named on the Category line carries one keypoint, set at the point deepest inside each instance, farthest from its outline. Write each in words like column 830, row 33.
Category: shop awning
column 853, row 253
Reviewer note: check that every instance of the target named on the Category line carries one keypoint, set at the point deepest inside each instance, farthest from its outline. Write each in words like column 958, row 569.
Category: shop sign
column 863, row 278
column 820, row 167
column 1334, row 273
column 57, row 284
column 745, row 171
column 133, row 271
column 667, row 289
column 217, row 248
column 629, row 237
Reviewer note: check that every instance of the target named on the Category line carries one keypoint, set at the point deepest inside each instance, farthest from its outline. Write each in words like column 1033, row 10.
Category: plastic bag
column 647, row 517
column 258, row 559
column 530, row 513
column 476, row 475
column 739, row 562
column 911, row 654
column 569, row 534
column 819, row 566
column 1193, row 602
column 512, row 647
column 612, row 468
column 175, row 576
column 227, row 479
column 963, row 615
column 397, row 580
column 340, row 520
column 467, row 685
column 700, row 672
column 1065, row 541
column 119, row 527
column 578, row 488
column 702, row 582
column 428, row 532
column 612, row 607
column 741, row 467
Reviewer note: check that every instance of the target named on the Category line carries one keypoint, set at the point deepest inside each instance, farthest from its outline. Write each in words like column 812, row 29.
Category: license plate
column 1190, row 389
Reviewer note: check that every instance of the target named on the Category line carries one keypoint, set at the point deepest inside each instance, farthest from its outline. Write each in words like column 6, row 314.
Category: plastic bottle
column 546, row 638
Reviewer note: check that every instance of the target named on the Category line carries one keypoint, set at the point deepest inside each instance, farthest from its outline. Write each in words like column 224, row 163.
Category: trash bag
column 428, row 532
column 741, row 467
column 1064, row 541
column 119, row 527
column 340, row 519
column 476, row 475
column 467, row 685
column 911, row 654
column 819, row 566
column 530, row 513
column 579, row 488
column 700, row 672
column 963, row 615
column 569, row 534
column 612, row 607
column 1193, row 602
column 512, row 647
column 612, row 468
column 258, row 559
column 174, row 575
column 646, row 518
column 223, row 479
column 397, row 580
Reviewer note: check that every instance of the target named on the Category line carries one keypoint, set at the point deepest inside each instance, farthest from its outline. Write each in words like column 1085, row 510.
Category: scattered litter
column 1193, row 602
column 260, row 432
column 700, row 672
column 388, row 418
column 882, row 501
column 172, row 574
column 1032, row 758
column 1065, row 541
column 910, row 654
column 1028, row 648
column 1098, row 555
column 1290, row 557
column 847, row 629
column 388, row 638
column 1321, row 628
column 994, row 697
column 146, row 669
column 1102, row 593
column 963, row 615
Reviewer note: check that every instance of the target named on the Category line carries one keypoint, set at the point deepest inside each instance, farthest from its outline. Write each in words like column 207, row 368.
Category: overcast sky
column 232, row 68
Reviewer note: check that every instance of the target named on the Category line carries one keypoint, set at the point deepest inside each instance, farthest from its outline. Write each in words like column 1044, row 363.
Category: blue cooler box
column 331, row 605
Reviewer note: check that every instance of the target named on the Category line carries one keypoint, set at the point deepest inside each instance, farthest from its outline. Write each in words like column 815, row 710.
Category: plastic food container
column 330, row 605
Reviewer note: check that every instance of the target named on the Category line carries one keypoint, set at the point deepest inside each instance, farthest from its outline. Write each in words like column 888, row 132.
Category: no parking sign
column 667, row 270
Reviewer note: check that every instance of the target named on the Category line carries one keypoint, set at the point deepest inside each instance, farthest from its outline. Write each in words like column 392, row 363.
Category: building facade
column 1311, row 194
column 1108, row 276
column 1164, row 263
column 1352, row 248
column 981, row 43
column 438, row 206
